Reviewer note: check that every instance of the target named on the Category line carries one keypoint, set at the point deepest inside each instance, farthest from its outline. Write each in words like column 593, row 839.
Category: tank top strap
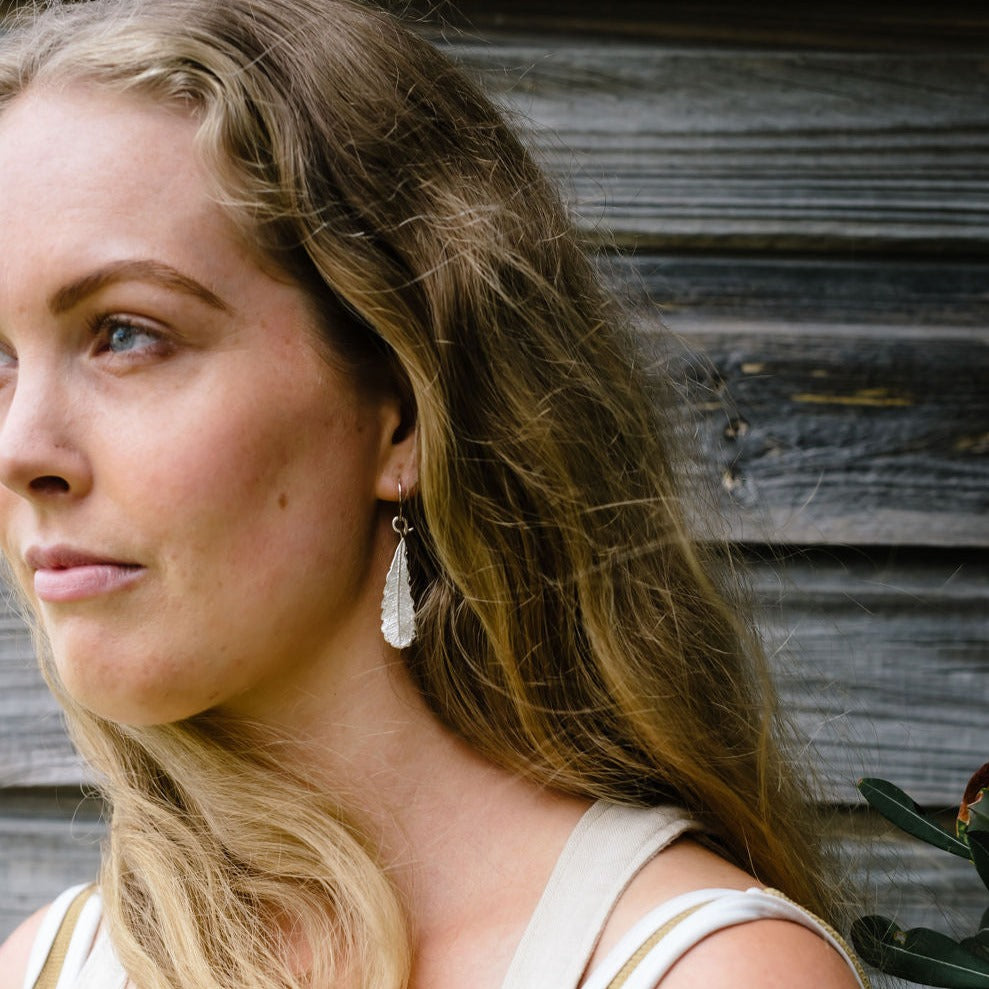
column 64, row 938
column 607, row 848
column 660, row 939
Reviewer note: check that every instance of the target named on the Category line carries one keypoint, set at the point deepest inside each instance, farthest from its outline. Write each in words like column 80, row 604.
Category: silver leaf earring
column 398, row 617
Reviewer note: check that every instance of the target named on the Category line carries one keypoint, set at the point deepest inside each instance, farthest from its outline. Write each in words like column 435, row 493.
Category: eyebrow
column 141, row 270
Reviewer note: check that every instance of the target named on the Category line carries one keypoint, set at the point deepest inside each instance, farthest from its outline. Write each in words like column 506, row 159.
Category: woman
column 288, row 316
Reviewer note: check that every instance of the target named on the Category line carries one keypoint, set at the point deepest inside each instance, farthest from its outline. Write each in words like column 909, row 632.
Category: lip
column 63, row 573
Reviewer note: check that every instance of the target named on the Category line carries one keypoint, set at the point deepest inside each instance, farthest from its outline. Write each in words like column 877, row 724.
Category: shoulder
column 680, row 868
column 16, row 950
column 762, row 954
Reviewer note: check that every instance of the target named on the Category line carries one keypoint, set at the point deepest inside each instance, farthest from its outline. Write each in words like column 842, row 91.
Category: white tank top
column 609, row 845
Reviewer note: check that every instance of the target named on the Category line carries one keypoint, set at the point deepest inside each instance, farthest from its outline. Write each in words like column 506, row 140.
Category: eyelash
column 103, row 326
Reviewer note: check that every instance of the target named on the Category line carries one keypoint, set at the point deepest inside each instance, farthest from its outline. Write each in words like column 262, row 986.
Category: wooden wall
column 803, row 199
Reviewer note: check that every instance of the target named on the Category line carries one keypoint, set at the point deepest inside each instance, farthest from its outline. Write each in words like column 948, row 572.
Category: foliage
column 919, row 954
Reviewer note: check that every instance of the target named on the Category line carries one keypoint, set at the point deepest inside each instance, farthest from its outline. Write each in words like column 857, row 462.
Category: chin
column 116, row 688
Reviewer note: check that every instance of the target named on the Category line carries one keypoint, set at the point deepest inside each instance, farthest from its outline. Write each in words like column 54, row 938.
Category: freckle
column 282, row 500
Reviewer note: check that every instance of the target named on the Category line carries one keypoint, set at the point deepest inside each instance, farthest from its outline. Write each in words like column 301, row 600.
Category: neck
column 447, row 821
column 463, row 839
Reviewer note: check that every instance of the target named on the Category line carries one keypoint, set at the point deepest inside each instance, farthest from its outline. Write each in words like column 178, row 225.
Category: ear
column 398, row 459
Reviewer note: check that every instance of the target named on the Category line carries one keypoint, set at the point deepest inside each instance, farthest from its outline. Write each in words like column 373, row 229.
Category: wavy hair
column 571, row 629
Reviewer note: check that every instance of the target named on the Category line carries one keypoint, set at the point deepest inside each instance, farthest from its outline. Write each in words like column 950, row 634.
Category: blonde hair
column 570, row 627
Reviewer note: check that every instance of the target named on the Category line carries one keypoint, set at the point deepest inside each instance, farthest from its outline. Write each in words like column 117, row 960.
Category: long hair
column 571, row 629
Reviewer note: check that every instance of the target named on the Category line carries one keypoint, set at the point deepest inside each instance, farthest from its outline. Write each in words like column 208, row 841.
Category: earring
column 398, row 617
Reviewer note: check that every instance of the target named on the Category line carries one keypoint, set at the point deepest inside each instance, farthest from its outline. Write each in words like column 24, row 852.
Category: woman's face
column 190, row 493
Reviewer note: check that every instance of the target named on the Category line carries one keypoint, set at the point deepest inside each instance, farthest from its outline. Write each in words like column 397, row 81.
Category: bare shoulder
column 681, row 868
column 762, row 954
column 15, row 950
column 759, row 954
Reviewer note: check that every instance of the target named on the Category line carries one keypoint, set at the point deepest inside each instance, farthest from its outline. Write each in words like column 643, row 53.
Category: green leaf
column 920, row 955
column 978, row 846
column 897, row 807
column 978, row 945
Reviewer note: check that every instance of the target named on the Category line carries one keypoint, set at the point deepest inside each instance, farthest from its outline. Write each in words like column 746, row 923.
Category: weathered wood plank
column 672, row 147
column 856, row 429
column 835, row 24
column 841, row 401
column 864, row 435
column 935, row 296
column 882, row 660
column 33, row 746
column 49, row 840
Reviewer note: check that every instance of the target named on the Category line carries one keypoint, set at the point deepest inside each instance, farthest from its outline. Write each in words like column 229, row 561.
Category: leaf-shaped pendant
column 398, row 619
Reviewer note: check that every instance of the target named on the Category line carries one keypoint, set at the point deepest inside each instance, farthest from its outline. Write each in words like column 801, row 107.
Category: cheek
column 258, row 480
column 200, row 453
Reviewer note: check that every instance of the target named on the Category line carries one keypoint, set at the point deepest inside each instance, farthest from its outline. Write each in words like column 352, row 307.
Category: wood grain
column 676, row 147
column 934, row 296
column 33, row 745
column 836, row 24
column 49, row 840
column 954, row 25
column 835, row 401
column 882, row 660
column 809, row 435
column 690, row 146
column 908, row 880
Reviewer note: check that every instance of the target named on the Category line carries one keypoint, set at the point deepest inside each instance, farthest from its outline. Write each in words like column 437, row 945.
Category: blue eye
column 122, row 335
column 123, row 341
column 126, row 336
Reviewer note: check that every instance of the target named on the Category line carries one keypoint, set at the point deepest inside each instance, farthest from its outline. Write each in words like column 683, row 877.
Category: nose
column 40, row 457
